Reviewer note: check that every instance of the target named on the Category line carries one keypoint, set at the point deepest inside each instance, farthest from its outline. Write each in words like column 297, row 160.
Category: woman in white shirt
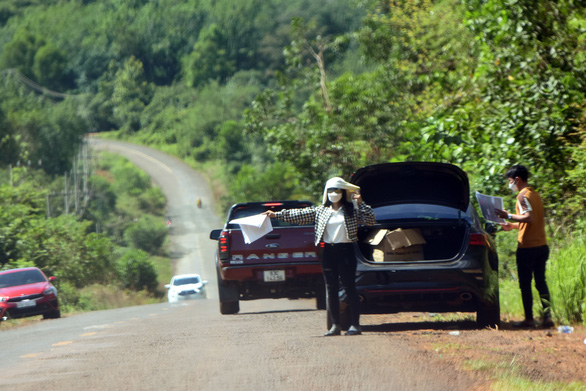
column 336, row 225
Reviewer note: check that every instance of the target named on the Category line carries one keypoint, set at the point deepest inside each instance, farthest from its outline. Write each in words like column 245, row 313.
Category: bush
column 147, row 234
column 69, row 296
column 130, row 180
column 137, row 272
column 152, row 200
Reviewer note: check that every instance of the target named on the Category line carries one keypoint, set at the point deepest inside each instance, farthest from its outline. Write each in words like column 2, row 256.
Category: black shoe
column 548, row 323
column 335, row 330
column 354, row 331
column 526, row 324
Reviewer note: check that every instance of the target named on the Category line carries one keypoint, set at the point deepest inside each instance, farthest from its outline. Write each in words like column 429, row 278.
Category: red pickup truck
column 282, row 264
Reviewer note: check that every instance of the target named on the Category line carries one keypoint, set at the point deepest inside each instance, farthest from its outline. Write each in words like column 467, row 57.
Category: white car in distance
column 186, row 287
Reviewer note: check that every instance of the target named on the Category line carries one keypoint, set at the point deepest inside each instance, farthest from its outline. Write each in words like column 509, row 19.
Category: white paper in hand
column 254, row 227
column 488, row 204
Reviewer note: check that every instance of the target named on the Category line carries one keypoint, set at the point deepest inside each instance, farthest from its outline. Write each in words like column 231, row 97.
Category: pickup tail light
column 477, row 240
column 224, row 245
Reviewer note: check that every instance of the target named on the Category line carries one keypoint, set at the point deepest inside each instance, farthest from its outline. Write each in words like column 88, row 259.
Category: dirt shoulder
column 537, row 355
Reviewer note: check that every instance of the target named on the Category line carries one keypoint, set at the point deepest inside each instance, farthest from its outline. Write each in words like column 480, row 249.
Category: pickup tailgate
column 287, row 252
column 282, row 245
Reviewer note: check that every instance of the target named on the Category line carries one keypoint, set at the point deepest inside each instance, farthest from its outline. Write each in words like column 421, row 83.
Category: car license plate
column 274, row 275
column 26, row 304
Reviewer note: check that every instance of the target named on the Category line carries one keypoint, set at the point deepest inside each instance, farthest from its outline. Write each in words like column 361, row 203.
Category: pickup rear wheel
column 230, row 307
column 228, row 295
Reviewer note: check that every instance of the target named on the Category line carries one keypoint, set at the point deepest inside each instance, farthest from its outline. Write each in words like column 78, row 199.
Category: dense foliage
column 272, row 97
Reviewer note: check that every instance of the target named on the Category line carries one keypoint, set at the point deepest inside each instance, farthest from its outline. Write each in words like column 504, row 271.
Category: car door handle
column 273, row 236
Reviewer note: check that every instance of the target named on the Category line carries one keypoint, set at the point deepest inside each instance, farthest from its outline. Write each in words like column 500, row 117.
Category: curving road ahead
column 191, row 249
column 269, row 345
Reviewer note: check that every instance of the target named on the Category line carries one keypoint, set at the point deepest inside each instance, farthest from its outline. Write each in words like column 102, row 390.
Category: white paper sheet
column 487, row 206
column 254, row 227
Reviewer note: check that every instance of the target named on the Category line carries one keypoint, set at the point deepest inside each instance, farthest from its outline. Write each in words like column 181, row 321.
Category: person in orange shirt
column 532, row 249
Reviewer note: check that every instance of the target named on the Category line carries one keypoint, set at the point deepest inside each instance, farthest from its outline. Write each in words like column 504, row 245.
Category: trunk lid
column 414, row 183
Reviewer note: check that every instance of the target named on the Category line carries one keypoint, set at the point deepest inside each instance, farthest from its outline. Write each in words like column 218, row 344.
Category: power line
column 14, row 73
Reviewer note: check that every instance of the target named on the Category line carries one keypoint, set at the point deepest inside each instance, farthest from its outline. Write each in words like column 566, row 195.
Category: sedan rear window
column 21, row 278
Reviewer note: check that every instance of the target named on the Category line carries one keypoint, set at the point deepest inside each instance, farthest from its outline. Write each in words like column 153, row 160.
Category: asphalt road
column 269, row 345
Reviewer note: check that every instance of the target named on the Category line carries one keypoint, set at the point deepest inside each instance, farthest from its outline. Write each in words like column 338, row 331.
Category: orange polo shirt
column 531, row 234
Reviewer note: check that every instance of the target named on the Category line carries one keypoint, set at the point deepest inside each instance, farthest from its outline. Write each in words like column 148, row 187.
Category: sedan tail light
column 477, row 240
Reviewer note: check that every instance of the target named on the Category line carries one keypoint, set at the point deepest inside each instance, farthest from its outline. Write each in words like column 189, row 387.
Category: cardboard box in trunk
column 399, row 245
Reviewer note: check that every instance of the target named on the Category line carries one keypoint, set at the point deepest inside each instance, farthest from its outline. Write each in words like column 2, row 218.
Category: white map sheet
column 254, row 227
column 487, row 206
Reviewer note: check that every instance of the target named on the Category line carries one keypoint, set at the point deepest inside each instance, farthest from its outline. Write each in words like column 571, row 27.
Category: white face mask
column 334, row 197
column 513, row 187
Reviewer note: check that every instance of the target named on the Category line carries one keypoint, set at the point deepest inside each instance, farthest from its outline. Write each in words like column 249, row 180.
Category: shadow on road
column 275, row 312
column 415, row 326
column 435, row 325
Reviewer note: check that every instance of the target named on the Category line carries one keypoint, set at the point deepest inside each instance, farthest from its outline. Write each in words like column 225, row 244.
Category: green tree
column 276, row 182
column 50, row 68
column 20, row 52
column 210, row 59
column 130, row 95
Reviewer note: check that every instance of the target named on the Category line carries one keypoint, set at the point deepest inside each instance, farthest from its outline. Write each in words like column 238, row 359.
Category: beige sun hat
column 339, row 183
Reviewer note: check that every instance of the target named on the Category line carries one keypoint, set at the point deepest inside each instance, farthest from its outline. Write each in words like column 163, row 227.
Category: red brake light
column 224, row 244
column 477, row 240
column 271, row 204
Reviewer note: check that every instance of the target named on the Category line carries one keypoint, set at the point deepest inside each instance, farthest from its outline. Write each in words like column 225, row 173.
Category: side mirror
column 215, row 234
column 52, row 278
column 167, row 286
column 204, row 282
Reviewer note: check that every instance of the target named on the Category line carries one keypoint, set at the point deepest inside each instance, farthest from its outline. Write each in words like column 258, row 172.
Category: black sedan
column 428, row 251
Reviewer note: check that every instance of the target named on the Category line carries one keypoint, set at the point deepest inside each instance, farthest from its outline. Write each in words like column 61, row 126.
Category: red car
column 27, row 292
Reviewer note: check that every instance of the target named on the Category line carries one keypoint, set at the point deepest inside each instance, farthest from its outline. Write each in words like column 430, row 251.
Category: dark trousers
column 531, row 264
column 339, row 265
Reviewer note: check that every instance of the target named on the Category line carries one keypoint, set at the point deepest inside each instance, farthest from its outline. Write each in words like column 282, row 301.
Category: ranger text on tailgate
column 282, row 264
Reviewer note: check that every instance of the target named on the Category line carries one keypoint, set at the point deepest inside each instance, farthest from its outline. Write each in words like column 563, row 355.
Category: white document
column 488, row 204
column 254, row 227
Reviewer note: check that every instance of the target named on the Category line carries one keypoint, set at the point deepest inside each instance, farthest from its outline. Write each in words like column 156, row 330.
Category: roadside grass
column 567, row 276
column 505, row 374
column 508, row 377
column 512, row 383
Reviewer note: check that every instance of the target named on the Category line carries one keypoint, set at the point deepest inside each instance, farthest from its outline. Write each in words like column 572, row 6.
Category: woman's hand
column 357, row 196
column 269, row 213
